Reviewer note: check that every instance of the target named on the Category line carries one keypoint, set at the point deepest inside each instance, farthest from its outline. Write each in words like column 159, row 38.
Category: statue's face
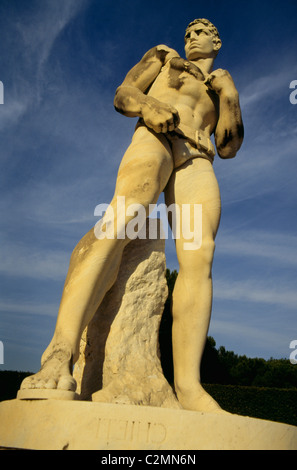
column 200, row 43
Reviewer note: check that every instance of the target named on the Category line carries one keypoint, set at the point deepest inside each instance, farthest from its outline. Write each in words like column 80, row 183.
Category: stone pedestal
column 74, row 425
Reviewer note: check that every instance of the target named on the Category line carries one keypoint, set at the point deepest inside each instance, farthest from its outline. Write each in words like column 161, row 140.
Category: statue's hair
column 207, row 23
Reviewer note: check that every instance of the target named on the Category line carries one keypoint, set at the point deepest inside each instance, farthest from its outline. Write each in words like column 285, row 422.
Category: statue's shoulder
column 162, row 52
column 167, row 50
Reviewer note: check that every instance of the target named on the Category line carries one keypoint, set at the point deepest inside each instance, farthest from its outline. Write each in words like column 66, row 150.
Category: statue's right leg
column 94, row 264
column 193, row 183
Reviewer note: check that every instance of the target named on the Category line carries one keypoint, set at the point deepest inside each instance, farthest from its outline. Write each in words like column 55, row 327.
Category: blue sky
column 62, row 142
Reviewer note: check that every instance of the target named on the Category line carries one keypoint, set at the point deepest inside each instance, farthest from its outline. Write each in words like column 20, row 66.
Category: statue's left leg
column 95, row 261
column 193, row 183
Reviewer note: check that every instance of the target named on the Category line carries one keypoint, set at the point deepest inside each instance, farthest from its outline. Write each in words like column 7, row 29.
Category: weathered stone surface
column 119, row 351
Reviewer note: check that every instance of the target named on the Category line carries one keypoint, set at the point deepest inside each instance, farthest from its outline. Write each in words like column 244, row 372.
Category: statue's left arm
column 229, row 130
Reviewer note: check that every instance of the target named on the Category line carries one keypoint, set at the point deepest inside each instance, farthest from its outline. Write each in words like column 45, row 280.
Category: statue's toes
column 50, row 384
column 67, row 382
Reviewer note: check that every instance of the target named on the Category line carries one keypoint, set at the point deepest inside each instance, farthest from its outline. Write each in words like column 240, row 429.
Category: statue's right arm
column 131, row 98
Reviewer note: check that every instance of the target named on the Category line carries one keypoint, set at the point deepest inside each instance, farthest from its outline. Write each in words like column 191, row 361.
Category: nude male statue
column 180, row 103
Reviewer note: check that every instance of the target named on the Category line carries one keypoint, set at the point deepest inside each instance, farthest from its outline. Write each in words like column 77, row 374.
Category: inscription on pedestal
column 109, row 429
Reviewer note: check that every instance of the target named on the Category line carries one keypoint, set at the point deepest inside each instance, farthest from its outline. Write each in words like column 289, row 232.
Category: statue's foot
column 55, row 373
column 197, row 399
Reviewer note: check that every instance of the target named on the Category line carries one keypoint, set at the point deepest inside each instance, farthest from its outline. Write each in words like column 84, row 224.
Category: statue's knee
column 207, row 250
column 200, row 263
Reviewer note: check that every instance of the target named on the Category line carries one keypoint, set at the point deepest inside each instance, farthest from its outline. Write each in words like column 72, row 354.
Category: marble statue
column 180, row 103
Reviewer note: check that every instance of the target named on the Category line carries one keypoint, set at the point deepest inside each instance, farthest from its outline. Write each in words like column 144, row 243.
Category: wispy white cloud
column 259, row 248
column 29, row 307
column 11, row 112
column 269, row 86
column 254, row 341
column 278, row 248
column 36, row 33
column 41, row 28
column 261, row 166
column 263, row 87
column 269, row 146
column 28, row 262
column 256, row 291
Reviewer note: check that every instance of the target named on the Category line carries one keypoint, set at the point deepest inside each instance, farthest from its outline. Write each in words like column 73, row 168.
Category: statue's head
column 202, row 40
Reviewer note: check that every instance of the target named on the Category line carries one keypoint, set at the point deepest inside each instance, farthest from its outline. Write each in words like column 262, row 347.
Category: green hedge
column 273, row 404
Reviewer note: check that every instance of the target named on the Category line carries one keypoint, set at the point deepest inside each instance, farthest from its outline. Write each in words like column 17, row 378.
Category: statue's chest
column 181, row 72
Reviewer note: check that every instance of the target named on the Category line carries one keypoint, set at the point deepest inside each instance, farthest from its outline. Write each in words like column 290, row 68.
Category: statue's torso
column 181, row 84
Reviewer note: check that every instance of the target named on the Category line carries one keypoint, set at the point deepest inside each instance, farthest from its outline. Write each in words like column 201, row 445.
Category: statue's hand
column 220, row 81
column 159, row 116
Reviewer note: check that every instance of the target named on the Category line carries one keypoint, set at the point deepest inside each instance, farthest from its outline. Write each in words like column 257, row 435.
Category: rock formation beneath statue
column 119, row 352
